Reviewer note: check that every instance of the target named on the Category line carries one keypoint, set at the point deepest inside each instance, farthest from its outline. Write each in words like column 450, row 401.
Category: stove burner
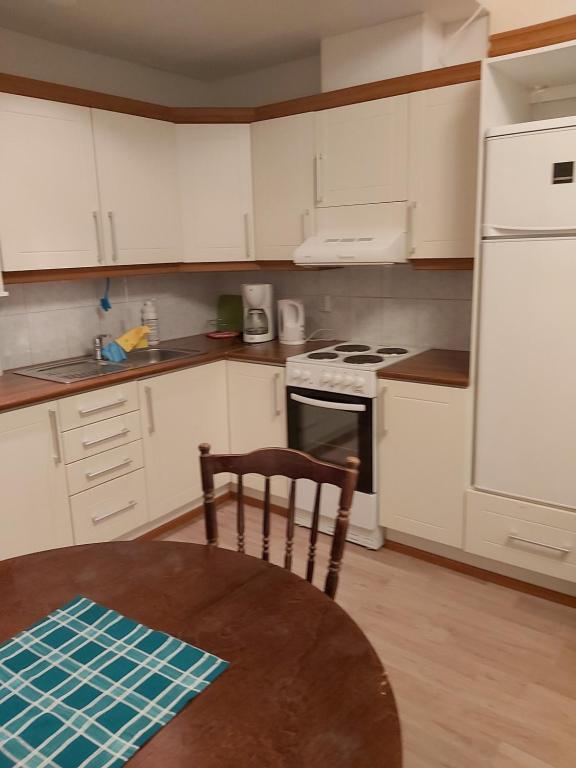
column 352, row 348
column 392, row 351
column 322, row 356
column 363, row 359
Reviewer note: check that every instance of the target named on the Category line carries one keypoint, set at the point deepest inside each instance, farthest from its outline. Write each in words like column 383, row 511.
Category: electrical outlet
column 326, row 303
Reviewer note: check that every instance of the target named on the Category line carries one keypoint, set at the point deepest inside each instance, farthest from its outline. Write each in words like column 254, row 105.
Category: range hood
column 375, row 233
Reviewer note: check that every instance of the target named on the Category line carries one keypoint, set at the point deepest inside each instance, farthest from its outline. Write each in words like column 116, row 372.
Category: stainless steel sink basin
column 80, row 368
column 150, row 356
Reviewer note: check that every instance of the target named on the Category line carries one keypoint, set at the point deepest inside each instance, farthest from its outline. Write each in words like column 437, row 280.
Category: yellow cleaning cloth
column 135, row 338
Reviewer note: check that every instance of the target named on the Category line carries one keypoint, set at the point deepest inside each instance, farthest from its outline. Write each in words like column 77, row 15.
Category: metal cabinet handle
column 103, row 407
column 150, row 406
column 319, row 177
column 99, row 251
column 57, row 456
column 276, row 382
column 113, row 236
column 247, row 248
column 97, row 441
column 98, row 518
column 563, row 550
column 100, row 472
column 411, row 224
column 305, row 221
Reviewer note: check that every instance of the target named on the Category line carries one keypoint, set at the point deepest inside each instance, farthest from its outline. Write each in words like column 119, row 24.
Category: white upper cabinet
column 283, row 167
column 137, row 174
column 48, row 192
column 443, row 170
column 216, row 192
column 362, row 153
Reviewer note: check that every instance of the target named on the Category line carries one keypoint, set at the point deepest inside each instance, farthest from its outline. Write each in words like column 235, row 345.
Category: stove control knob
column 296, row 373
column 306, row 375
column 326, row 378
column 348, row 381
column 358, row 382
column 337, row 378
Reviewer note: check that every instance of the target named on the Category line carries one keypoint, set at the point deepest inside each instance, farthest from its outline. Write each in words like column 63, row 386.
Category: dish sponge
column 135, row 338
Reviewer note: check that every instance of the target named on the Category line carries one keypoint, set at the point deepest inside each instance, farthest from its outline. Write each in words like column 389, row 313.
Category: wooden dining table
column 305, row 689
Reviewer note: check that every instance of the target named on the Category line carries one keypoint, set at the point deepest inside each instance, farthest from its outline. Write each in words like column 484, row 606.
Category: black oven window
column 330, row 434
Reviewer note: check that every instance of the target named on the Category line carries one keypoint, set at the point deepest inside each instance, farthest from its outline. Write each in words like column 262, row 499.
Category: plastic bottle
column 150, row 319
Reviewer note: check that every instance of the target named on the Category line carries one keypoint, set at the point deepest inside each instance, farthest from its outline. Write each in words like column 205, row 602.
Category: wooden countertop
column 444, row 367
column 17, row 391
column 437, row 366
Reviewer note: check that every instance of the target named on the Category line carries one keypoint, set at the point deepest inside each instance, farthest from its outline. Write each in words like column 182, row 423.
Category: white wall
column 31, row 57
column 266, row 86
column 512, row 14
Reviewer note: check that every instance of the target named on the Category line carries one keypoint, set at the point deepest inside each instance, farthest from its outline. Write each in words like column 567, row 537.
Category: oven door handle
column 351, row 407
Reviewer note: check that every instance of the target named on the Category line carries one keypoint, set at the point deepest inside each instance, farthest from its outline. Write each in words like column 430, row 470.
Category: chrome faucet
column 98, row 345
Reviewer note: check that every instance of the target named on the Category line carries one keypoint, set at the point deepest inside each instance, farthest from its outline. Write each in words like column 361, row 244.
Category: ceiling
column 209, row 39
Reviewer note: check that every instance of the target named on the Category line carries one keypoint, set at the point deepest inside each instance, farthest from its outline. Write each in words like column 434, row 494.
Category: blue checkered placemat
column 86, row 687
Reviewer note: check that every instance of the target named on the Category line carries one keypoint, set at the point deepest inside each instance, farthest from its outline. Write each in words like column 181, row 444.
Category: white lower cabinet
column 179, row 411
column 422, row 457
column 531, row 536
column 110, row 510
column 35, row 510
column 257, row 413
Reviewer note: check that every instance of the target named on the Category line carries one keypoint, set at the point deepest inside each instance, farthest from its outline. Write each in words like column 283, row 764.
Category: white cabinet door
column 283, row 165
column 137, row 175
column 363, row 153
column 35, row 510
column 443, row 170
column 422, row 458
column 49, row 214
column 216, row 192
column 180, row 411
column 257, row 413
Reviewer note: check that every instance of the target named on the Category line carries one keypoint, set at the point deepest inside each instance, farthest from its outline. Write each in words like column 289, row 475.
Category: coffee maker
column 258, row 303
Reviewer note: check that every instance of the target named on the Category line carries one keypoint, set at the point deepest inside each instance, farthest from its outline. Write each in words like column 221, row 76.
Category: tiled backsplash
column 48, row 321
column 390, row 304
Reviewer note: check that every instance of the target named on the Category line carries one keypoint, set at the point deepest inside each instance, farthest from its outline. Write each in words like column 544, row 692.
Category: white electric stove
column 332, row 414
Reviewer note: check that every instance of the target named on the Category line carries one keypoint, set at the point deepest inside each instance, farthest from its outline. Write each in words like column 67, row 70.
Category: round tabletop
column 304, row 687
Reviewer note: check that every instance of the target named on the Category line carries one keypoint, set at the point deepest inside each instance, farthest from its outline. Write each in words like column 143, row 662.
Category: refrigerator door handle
column 489, row 229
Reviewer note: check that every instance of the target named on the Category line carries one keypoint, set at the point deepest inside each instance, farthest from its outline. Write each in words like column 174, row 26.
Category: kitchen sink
column 80, row 368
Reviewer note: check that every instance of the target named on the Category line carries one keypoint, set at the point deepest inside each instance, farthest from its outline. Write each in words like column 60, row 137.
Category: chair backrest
column 295, row 465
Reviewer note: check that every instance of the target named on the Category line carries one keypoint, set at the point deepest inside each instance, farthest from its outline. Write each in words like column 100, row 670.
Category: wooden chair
column 295, row 465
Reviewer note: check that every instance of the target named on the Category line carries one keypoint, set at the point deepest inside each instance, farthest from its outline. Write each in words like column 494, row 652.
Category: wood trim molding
column 133, row 270
column 420, row 81
column 483, row 574
column 442, row 264
column 535, row 36
column 381, row 89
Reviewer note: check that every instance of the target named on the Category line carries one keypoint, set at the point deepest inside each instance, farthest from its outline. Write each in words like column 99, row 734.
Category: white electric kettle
column 291, row 321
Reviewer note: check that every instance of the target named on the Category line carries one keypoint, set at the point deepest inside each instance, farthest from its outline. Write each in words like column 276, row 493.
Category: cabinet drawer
column 104, row 467
column 541, row 539
column 111, row 510
column 97, row 405
column 94, row 438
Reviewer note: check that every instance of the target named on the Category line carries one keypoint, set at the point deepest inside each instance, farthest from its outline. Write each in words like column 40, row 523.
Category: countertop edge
column 436, row 367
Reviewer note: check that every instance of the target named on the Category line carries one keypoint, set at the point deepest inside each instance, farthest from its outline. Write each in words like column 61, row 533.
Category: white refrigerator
column 525, row 440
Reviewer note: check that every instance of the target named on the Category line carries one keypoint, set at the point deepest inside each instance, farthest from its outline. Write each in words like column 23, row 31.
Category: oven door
column 331, row 427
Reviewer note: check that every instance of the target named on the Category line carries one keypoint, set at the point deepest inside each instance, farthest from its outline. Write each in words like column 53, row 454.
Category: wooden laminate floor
column 484, row 677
